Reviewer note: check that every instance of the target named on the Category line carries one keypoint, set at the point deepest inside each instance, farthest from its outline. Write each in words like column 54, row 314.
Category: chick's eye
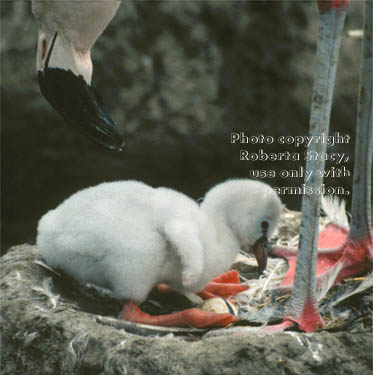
column 265, row 226
column 263, row 239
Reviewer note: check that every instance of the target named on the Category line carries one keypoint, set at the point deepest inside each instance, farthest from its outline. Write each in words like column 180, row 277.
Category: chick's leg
column 186, row 318
column 225, row 285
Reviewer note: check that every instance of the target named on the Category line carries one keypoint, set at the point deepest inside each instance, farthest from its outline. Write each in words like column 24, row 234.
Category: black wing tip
column 81, row 106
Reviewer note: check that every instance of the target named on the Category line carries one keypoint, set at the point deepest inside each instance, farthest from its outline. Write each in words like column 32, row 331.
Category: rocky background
column 178, row 77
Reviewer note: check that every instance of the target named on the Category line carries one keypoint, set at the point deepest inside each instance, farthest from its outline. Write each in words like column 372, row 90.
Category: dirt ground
column 48, row 329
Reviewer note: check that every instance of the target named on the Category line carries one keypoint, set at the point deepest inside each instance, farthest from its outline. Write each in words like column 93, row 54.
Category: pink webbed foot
column 334, row 247
column 225, row 285
column 309, row 320
column 192, row 317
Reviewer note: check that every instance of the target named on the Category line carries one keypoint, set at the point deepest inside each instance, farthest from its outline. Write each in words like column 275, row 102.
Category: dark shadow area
column 178, row 78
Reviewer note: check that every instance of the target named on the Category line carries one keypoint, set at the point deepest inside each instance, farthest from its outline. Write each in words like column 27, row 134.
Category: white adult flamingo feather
column 67, row 32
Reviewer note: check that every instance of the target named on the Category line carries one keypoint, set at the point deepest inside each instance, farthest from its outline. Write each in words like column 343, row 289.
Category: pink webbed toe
column 192, row 317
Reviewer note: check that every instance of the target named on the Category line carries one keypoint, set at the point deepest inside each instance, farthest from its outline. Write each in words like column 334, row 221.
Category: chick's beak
column 260, row 251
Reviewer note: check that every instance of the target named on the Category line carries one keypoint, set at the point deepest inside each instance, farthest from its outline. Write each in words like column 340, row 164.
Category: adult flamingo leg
column 353, row 252
column 355, row 246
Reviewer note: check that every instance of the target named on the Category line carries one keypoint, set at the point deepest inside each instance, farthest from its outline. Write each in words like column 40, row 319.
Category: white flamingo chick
column 129, row 237
column 126, row 236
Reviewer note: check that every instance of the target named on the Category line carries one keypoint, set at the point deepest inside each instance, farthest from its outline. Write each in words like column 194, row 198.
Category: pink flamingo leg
column 354, row 248
column 186, row 318
column 302, row 309
column 225, row 285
